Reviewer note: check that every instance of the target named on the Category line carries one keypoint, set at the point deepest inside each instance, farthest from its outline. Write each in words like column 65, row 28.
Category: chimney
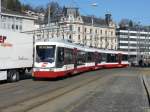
column 108, row 18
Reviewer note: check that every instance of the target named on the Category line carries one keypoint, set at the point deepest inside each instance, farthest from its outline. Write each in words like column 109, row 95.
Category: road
column 107, row 90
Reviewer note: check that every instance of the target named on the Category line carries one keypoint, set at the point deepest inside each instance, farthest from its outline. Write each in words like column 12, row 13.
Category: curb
column 146, row 84
column 147, row 89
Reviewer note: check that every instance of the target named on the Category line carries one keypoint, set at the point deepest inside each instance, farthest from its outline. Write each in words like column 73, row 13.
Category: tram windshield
column 45, row 53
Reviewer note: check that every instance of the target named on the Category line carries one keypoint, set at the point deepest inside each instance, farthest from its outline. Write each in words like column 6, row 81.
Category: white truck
column 16, row 54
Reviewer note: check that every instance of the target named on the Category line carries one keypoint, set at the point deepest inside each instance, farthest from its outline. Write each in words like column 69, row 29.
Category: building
column 15, row 21
column 85, row 30
column 135, row 41
column 89, row 30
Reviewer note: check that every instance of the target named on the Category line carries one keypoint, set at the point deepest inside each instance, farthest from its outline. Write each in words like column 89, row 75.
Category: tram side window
column 69, row 56
column 111, row 58
column 124, row 57
column 60, row 57
column 89, row 56
column 99, row 58
column 81, row 57
column 103, row 57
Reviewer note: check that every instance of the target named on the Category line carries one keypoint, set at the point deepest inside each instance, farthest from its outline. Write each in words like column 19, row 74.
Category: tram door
column 75, row 57
column 96, row 58
column 119, row 58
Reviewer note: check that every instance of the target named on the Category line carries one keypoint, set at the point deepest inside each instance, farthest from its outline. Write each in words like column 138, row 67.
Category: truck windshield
column 45, row 53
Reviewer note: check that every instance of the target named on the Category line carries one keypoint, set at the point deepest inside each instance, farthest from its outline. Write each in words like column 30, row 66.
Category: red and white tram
column 58, row 58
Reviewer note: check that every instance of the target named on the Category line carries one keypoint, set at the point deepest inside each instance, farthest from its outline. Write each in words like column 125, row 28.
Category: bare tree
column 55, row 12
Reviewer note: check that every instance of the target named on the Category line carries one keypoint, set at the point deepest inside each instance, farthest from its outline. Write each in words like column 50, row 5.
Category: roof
column 96, row 21
column 73, row 10
column 136, row 28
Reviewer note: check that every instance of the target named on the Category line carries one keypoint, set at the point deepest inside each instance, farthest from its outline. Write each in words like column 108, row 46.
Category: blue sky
column 137, row 10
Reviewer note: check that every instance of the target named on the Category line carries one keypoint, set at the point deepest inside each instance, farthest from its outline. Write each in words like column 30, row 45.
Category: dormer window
column 70, row 27
column 79, row 18
column 71, row 18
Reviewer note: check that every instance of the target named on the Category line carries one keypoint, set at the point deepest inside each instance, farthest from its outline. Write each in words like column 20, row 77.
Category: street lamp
column 93, row 5
column 128, row 26
column 138, row 43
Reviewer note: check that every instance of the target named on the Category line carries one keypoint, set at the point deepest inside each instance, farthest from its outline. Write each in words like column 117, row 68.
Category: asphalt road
column 107, row 90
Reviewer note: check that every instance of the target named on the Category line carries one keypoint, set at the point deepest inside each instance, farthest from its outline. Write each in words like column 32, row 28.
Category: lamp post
column 94, row 5
column 138, row 43
column 49, row 15
column 128, row 42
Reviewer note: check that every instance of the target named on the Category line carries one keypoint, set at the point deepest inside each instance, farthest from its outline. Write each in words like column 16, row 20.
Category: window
column 60, row 57
column 81, row 57
column 90, row 56
column 20, row 27
column 105, row 32
column 8, row 26
column 101, row 32
column 68, row 56
column 91, row 38
column 112, row 57
column 13, row 27
column 85, row 37
column 17, row 27
column 70, row 37
column 111, row 33
column 90, row 30
column 78, row 29
column 124, row 57
column 101, row 39
column 70, row 27
column 78, row 37
column 98, row 57
column 45, row 53
column 4, row 25
column 96, row 31
column 103, row 57
column 85, row 30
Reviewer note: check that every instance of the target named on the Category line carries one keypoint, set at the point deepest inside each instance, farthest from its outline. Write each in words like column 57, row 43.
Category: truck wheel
column 13, row 76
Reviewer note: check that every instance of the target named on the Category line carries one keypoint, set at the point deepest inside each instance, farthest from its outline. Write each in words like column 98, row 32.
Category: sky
column 136, row 10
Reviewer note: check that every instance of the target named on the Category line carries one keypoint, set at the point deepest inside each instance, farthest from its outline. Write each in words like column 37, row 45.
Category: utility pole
column 49, row 15
column 128, row 42
column 94, row 5
column 138, row 43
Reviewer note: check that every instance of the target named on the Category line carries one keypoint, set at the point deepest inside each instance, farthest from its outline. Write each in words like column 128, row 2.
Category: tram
column 59, row 58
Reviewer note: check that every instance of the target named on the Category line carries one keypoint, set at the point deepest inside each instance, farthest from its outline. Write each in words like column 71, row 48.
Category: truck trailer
column 16, row 54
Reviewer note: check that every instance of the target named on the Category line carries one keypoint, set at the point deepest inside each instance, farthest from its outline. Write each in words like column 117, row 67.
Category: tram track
column 31, row 103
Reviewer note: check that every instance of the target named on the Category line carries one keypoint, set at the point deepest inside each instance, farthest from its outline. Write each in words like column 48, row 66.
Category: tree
column 55, row 12
column 131, row 24
column 39, row 9
column 14, row 5
column 124, row 23
column 3, row 3
column 26, row 7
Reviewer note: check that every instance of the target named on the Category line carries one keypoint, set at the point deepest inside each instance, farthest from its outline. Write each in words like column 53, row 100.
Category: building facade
column 135, row 42
column 18, row 22
column 90, row 31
